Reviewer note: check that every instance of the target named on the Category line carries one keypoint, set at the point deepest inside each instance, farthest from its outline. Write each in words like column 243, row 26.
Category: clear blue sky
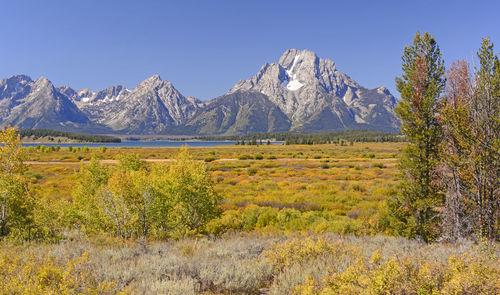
column 204, row 47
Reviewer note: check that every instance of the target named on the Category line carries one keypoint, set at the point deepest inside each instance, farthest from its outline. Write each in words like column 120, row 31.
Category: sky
column 204, row 47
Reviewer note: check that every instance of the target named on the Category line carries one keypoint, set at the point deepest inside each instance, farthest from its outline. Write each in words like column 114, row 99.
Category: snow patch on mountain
column 293, row 84
column 328, row 99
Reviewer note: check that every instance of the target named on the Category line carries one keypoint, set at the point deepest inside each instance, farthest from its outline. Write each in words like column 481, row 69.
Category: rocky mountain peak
column 15, row 86
column 68, row 91
column 83, row 95
column 21, row 79
column 113, row 93
column 154, row 83
column 303, row 56
column 300, row 92
column 38, row 104
column 152, row 80
column 153, row 106
column 42, row 81
column 383, row 90
column 316, row 96
column 304, row 67
column 43, row 84
column 85, row 92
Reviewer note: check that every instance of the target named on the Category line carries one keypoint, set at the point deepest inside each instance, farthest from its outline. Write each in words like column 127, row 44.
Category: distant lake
column 140, row 143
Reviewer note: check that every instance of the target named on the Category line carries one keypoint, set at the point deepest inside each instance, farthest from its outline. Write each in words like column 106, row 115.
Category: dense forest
column 38, row 133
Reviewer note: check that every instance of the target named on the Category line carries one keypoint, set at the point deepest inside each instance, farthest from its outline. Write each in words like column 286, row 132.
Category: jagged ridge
column 300, row 92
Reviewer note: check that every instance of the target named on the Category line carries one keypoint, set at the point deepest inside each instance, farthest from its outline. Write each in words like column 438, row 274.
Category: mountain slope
column 97, row 105
column 37, row 104
column 318, row 97
column 300, row 92
column 239, row 113
column 152, row 107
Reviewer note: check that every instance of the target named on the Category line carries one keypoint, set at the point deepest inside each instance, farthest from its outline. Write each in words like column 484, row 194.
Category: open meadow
column 292, row 219
column 316, row 188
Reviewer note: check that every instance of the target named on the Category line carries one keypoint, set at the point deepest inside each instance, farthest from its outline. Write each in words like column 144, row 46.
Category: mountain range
column 300, row 92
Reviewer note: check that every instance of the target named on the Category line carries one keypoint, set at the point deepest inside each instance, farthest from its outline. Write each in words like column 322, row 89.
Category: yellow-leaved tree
column 16, row 203
column 133, row 200
column 188, row 200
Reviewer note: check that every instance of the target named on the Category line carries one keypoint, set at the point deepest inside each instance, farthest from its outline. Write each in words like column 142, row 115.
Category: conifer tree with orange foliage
column 414, row 209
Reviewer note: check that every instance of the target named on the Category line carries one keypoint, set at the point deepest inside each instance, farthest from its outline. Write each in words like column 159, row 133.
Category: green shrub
column 210, row 159
column 252, row 171
column 378, row 165
column 358, row 187
column 245, row 157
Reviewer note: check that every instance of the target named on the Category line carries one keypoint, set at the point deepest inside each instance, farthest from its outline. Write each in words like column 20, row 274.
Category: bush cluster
column 255, row 218
column 47, row 274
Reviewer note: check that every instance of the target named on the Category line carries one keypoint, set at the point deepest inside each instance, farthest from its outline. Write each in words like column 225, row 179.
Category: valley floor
column 299, row 219
column 320, row 187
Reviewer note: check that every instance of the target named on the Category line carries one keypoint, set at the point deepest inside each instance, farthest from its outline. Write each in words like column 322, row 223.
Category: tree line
column 37, row 133
column 450, row 169
column 313, row 137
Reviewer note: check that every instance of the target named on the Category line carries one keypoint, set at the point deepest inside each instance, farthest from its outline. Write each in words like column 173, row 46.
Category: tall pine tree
column 485, row 155
column 471, row 152
column 415, row 206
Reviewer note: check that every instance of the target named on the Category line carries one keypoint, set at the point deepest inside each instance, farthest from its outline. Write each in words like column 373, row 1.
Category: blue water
column 138, row 143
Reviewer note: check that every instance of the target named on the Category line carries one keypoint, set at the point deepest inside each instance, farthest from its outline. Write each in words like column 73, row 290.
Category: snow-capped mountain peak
column 310, row 90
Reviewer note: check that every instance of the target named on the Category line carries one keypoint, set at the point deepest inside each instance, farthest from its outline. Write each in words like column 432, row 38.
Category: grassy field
column 298, row 219
column 277, row 187
column 251, row 264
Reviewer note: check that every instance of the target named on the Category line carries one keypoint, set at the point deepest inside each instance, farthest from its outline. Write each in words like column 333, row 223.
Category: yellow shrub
column 472, row 275
column 44, row 274
column 403, row 275
column 299, row 250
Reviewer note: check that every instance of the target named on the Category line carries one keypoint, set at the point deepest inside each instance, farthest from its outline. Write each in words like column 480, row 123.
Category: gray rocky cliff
column 308, row 88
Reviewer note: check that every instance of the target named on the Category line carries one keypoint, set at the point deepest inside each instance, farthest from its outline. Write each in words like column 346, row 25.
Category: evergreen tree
column 485, row 125
column 455, row 120
column 420, row 86
column 471, row 124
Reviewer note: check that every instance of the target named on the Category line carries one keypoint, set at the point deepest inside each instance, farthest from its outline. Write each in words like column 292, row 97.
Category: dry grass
column 291, row 201
column 244, row 263
column 348, row 181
